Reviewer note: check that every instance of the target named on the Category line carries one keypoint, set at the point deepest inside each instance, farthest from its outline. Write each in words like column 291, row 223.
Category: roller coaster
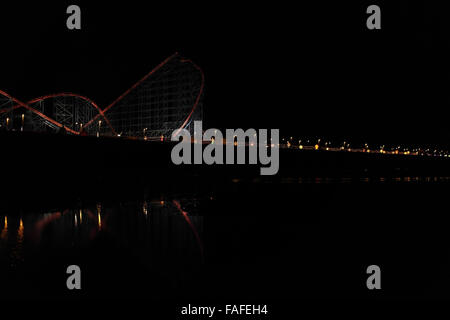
column 167, row 98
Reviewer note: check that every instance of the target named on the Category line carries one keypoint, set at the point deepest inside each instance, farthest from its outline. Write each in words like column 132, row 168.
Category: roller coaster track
column 101, row 112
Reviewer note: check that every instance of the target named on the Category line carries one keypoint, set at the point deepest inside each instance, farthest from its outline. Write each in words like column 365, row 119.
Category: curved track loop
column 70, row 94
column 26, row 106
column 101, row 112
column 197, row 100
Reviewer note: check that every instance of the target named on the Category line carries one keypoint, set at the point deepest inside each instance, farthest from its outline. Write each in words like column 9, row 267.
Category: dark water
column 247, row 238
column 118, row 246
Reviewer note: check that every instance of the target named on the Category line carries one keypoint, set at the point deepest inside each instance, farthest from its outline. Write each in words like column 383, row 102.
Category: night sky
column 307, row 69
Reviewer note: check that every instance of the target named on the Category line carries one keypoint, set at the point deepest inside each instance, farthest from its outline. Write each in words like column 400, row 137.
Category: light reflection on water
column 340, row 180
column 4, row 235
column 159, row 230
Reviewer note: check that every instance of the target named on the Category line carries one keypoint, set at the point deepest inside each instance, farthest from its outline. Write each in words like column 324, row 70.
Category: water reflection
column 99, row 216
column 145, row 208
column 168, row 233
column 4, row 234
column 346, row 180
column 12, row 242
column 17, row 254
column 191, row 225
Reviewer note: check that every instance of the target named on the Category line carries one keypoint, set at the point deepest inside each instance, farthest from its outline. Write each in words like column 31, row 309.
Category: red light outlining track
column 198, row 96
column 101, row 113
column 159, row 66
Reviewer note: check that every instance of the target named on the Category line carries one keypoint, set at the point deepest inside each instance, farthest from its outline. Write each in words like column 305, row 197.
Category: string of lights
column 345, row 146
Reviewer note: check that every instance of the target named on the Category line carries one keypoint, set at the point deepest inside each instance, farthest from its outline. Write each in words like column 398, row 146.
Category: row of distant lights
column 289, row 143
column 345, row 146
column 327, row 145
